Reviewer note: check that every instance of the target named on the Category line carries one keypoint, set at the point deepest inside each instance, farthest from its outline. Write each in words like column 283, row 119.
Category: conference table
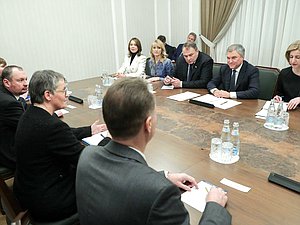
column 182, row 144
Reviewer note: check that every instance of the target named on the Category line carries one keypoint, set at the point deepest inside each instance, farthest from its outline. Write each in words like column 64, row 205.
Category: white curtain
column 265, row 28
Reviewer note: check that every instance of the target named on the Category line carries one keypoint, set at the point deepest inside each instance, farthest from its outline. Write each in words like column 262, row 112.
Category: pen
column 102, row 135
column 206, row 189
column 223, row 103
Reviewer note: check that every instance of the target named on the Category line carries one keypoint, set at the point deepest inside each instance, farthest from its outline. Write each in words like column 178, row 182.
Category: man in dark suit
column 190, row 38
column 170, row 50
column 114, row 184
column 12, row 106
column 237, row 79
column 193, row 68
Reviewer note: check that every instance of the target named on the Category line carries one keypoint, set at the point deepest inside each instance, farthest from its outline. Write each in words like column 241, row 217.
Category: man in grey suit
column 114, row 184
column 237, row 79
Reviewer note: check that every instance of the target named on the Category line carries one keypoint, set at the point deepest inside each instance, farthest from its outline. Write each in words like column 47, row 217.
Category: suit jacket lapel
column 241, row 76
column 124, row 152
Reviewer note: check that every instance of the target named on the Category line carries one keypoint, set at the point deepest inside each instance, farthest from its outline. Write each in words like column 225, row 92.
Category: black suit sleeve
column 215, row 214
column 82, row 132
column 253, row 84
column 13, row 113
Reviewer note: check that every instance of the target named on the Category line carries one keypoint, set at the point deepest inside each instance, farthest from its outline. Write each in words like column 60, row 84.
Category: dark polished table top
column 182, row 144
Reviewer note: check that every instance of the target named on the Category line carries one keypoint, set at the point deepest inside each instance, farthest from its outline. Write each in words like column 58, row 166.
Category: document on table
column 262, row 114
column 222, row 103
column 95, row 139
column 196, row 198
column 167, row 87
column 184, row 96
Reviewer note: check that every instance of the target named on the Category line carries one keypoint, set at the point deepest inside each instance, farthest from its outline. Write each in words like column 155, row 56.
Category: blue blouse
column 160, row 69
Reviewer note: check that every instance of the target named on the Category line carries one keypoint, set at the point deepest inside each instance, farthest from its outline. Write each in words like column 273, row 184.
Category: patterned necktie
column 188, row 73
column 232, row 80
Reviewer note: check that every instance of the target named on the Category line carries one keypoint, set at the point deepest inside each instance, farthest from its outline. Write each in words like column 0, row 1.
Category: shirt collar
column 138, row 151
column 239, row 68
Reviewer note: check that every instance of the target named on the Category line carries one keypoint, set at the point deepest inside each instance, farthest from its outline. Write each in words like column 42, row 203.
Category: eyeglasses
column 64, row 91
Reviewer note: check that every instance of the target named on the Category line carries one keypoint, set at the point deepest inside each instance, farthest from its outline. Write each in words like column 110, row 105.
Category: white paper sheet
column 222, row 103
column 184, row 96
column 95, row 139
column 71, row 107
column 167, row 87
column 196, row 198
column 235, row 185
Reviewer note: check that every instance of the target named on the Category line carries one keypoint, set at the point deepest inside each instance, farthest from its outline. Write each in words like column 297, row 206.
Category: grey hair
column 40, row 82
column 237, row 47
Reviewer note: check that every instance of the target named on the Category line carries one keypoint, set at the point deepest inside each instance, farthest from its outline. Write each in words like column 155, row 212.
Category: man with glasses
column 47, row 152
column 237, row 79
column 193, row 68
column 12, row 106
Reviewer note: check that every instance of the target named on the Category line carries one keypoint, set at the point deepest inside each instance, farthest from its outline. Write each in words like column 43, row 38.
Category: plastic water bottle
column 271, row 116
column 225, row 136
column 98, row 93
column 278, row 121
column 235, row 139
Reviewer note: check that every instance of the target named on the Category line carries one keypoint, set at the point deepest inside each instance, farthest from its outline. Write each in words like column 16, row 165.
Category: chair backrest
column 216, row 68
column 12, row 207
column 268, row 81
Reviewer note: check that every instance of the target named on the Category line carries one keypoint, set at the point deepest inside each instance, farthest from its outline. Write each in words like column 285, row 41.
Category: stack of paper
column 222, row 103
column 184, row 96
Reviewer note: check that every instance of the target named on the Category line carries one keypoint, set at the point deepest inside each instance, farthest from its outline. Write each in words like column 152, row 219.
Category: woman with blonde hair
column 288, row 84
column 158, row 66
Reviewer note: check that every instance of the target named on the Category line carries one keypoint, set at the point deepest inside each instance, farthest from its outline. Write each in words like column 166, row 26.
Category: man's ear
column 6, row 83
column 148, row 124
column 48, row 95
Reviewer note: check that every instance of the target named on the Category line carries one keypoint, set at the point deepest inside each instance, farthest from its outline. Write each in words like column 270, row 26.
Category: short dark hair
column 190, row 44
column 126, row 105
column 40, row 82
column 138, row 44
column 162, row 38
column 8, row 71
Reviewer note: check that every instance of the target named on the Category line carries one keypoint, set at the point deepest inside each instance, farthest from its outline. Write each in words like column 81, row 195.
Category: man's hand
column 97, row 127
column 176, row 83
column 221, row 94
column 182, row 180
column 167, row 80
column 217, row 195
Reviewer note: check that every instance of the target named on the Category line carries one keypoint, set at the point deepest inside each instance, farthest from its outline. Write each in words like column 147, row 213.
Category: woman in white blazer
column 134, row 62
